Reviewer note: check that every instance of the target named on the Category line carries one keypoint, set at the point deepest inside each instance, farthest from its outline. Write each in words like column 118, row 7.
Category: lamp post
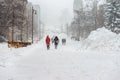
column 33, row 12
column 32, row 24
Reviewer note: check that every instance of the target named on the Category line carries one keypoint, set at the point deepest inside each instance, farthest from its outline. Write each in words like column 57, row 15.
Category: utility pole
column 32, row 23
column 22, row 25
column 27, row 28
column 67, row 28
column 33, row 12
column 13, row 24
column 96, row 9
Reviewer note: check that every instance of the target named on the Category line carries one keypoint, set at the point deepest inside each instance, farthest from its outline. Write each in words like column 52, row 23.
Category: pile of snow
column 7, row 55
column 102, row 39
column 4, row 54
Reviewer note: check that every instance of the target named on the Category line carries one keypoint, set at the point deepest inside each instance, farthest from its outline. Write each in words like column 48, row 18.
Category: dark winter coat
column 56, row 40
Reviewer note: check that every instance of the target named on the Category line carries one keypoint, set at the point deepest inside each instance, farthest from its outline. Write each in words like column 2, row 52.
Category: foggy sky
column 51, row 10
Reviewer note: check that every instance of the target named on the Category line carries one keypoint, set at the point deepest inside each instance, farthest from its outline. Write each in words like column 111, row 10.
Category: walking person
column 52, row 39
column 48, row 42
column 56, row 41
column 63, row 41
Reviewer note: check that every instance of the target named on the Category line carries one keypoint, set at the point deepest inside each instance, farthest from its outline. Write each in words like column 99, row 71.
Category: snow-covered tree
column 3, row 18
column 100, row 16
column 12, row 16
column 112, row 15
column 85, row 17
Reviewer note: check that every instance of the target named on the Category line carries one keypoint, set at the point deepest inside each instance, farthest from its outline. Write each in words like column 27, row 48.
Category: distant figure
column 63, row 41
column 52, row 39
column 56, row 41
column 48, row 42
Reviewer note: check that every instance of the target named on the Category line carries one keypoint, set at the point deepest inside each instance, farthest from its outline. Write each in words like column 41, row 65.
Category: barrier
column 18, row 44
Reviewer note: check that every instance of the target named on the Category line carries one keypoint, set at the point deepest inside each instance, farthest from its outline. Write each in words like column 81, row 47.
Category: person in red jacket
column 48, row 42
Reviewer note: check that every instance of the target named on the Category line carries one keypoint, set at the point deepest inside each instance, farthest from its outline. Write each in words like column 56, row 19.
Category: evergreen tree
column 112, row 16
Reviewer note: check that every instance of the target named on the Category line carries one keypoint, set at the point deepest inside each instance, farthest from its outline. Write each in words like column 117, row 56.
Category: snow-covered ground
column 96, row 58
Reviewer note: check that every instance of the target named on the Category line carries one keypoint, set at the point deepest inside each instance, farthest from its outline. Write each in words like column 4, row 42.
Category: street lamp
column 33, row 12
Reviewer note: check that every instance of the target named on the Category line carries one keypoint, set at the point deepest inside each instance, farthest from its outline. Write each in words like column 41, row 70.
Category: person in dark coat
column 56, row 41
column 63, row 41
column 48, row 42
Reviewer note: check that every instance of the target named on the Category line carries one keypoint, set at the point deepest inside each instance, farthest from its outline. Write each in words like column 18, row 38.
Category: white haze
column 52, row 10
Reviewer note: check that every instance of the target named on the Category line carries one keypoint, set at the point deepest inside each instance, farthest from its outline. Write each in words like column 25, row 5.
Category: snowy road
column 65, row 63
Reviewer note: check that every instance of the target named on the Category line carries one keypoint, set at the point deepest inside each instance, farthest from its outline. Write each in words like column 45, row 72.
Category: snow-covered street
column 59, row 39
column 69, row 62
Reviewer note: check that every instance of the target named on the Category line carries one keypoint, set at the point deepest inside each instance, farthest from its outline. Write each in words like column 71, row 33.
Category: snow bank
column 4, row 54
column 7, row 55
column 102, row 39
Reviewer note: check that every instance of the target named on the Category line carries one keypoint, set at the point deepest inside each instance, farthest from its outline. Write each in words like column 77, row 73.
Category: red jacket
column 47, row 40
